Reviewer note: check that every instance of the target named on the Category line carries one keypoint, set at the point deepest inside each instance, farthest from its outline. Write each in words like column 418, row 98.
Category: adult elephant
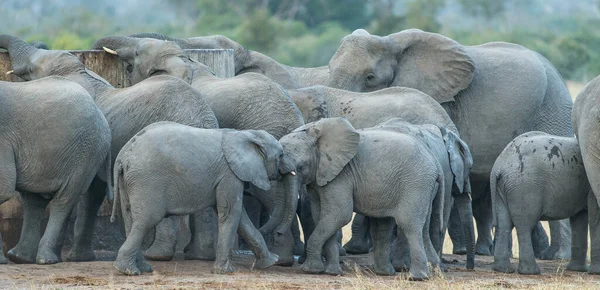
column 53, row 142
column 412, row 106
column 586, row 121
column 246, row 102
column 493, row 92
column 289, row 77
column 128, row 110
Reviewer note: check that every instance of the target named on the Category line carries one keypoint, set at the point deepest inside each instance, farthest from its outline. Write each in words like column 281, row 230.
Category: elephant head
column 429, row 62
column 149, row 57
column 255, row 156
column 30, row 62
column 320, row 150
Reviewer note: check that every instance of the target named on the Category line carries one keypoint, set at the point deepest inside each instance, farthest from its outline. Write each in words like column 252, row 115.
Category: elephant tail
column 494, row 178
column 118, row 183
column 109, row 180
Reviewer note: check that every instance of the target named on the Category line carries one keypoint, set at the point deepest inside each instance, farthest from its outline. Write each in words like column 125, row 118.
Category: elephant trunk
column 291, row 184
column 19, row 51
column 465, row 210
column 123, row 44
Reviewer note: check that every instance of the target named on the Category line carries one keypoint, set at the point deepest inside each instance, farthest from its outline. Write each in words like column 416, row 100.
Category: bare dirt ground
column 181, row 274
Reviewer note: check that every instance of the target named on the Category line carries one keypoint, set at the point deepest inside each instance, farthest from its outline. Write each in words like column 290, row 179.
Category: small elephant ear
column 337, row 143
column 244, row 153
column 460, row 157
column 432, row 63
column 311, row 103
column 262, row 64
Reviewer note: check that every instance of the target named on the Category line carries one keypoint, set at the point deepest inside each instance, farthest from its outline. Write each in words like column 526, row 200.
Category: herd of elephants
column 414, row 132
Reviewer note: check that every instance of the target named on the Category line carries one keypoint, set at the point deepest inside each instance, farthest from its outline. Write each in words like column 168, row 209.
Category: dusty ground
column 181, row 274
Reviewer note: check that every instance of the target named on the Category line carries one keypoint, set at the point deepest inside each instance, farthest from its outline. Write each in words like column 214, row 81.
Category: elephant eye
column 370, row 77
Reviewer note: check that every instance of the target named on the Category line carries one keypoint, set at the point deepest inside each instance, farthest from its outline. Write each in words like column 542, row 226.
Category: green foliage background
column 308, row 32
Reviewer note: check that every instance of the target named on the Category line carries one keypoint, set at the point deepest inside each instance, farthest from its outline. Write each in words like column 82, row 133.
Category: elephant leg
column 502, row 237
column 432, row 255
column 381, row 234
column 256, row 213
column 594, row 225
column 87, row 211
column 165, row 240
column 527, row 264
column 129, row 257
column 360, row 242
column 229, row 208
column 298, row 244
column 306, row 219
column 33, row 213
column 455, row 231
column 413, row 229
column 255, row 241
column 339, row 238
column 3, row 259
column 560, row 242
column 61, row 206
column 540, row 240
column 204, row 227
column 482, row 211
column 579, row 226
column 400, row 252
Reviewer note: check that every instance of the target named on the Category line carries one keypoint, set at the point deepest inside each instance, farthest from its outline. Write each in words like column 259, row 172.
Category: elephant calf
column 173, row 169
column 537, row 177
column 386, row 175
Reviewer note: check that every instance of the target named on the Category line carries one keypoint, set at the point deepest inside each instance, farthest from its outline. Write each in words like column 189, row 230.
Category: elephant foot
column 342, row 251
column 416, row 275
column 46, row 256
column 384, row 270
column 356, row 246
column 265, row 262
column 193, row 254
column 333, row 269
column 19, row 256
column 503, row 267
column 302, row 258
column 577, row 266
column 401, row 264
column 529, row 268
column 144, row 266
column 460, row 250
column 298, row 248
column 3, row 260
column 226, row 268
column 483, row 249
column 76, row 255
column 285, row 261
column 313, row 266
column 129, row 269
column 594, row 269
column 554, row 253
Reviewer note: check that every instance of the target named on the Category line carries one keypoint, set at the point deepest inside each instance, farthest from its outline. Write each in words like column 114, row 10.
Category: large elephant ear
column 337, row 143
column 245, row 155
column 432, row 63
column 460, row 157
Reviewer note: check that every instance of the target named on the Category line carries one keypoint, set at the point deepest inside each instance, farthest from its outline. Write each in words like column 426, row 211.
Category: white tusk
column 109, row 50
column 293, row 173
column 10, row 72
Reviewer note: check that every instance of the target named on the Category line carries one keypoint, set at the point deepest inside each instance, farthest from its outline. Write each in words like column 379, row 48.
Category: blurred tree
column 483, row 8
column 258, row 32
column 422, row 14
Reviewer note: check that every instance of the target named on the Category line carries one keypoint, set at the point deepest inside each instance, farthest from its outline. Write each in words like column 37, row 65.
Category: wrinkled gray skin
column 455, row 159
column 378, row 173
column 586, row 121
column 245, row 60
column 127, row 110
column 405, row 104
column 248, row 101
column 493, row 92
column 53, row 142
column 173, row 169
column 537, row 177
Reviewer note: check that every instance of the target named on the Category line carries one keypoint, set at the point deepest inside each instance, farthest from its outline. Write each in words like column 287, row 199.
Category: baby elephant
column 538, row 177
column 173, row 169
